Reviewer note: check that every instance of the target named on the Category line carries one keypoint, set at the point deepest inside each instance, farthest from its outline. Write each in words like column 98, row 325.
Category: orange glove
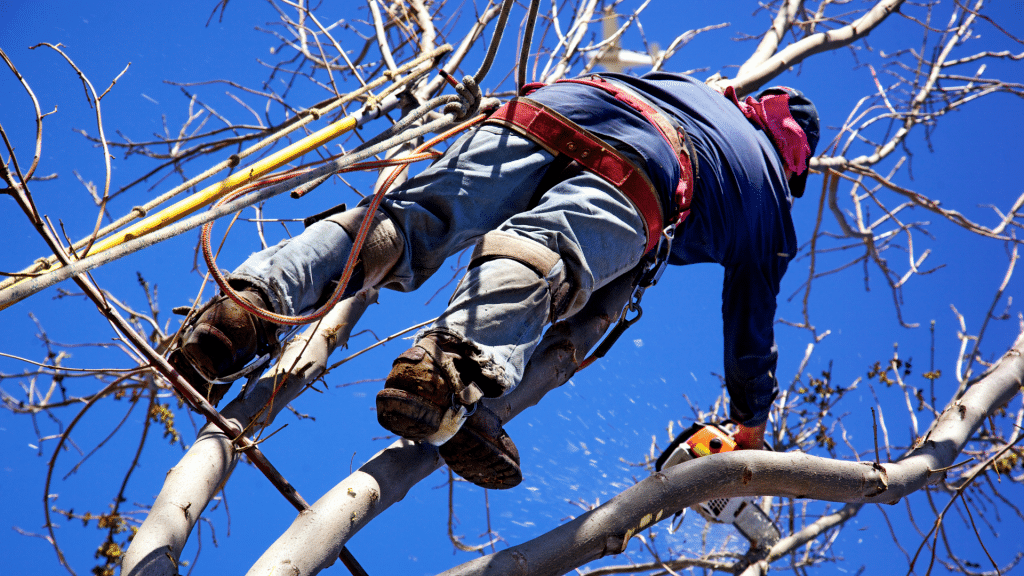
column 749, row 438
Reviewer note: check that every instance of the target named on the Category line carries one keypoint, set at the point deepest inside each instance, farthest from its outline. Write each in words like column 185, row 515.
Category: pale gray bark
column 772, row 39
column 756, row 76
column 315, row 538
column 318, row 534
column 608, row 528
column 415, row 68
column 569, row 43
column 195, row 480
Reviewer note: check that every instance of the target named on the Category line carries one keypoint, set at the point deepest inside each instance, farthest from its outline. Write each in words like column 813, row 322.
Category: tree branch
column 607, row 529
column 814, row 44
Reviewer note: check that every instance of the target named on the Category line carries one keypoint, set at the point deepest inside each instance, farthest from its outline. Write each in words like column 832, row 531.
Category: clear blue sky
column 574, row 443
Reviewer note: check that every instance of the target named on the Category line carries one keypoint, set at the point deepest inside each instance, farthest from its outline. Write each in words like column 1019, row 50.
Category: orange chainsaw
column 703, row 439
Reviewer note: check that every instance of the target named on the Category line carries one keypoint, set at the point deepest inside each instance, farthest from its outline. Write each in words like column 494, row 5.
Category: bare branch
column 814, row 44
column 608, row 529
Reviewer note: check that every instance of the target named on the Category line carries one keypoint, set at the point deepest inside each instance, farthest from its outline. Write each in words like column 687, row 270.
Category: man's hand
column 750, row 438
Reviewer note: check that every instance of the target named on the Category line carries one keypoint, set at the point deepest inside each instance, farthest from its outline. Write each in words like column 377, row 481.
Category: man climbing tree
column 919, row 199
column 561, row 191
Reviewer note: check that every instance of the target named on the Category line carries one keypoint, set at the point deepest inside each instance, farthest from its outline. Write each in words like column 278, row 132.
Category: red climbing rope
column 396, row 166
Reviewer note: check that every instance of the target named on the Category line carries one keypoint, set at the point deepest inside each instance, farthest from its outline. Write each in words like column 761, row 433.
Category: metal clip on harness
column 652, row 267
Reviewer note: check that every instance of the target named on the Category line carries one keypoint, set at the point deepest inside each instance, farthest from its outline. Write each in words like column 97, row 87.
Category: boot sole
column 407, row 415
column 480, row 461
column 212, row 392
column 203, row 345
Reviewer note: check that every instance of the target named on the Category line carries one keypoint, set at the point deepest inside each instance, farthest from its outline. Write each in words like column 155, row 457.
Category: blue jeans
column 485, row 181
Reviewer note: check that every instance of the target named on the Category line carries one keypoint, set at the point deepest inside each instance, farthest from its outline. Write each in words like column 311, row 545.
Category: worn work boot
column 420, row 391
column 426, row 397
column 220, row 340
column 483, row 453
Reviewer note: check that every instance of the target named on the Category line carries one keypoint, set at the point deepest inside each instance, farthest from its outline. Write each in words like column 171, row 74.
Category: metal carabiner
column 649, row 276
column 633, row 306
column 617, row 331
column 653, row 272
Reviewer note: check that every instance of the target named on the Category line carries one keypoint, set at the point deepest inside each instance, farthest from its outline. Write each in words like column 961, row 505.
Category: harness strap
column 660, row 225
column 674, row 135
column 535, row 256
column 529, row 253
column 556, row 133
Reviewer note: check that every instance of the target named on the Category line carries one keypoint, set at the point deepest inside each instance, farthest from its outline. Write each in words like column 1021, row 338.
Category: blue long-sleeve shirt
column 739, row 216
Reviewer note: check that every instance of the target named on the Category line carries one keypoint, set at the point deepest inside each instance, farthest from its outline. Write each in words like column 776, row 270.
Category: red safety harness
column 558, row 134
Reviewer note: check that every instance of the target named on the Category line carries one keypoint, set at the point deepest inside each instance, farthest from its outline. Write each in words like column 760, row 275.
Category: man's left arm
column 751, row 356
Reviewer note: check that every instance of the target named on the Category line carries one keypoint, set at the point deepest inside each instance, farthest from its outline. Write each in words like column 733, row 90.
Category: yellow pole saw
column 34, row 281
